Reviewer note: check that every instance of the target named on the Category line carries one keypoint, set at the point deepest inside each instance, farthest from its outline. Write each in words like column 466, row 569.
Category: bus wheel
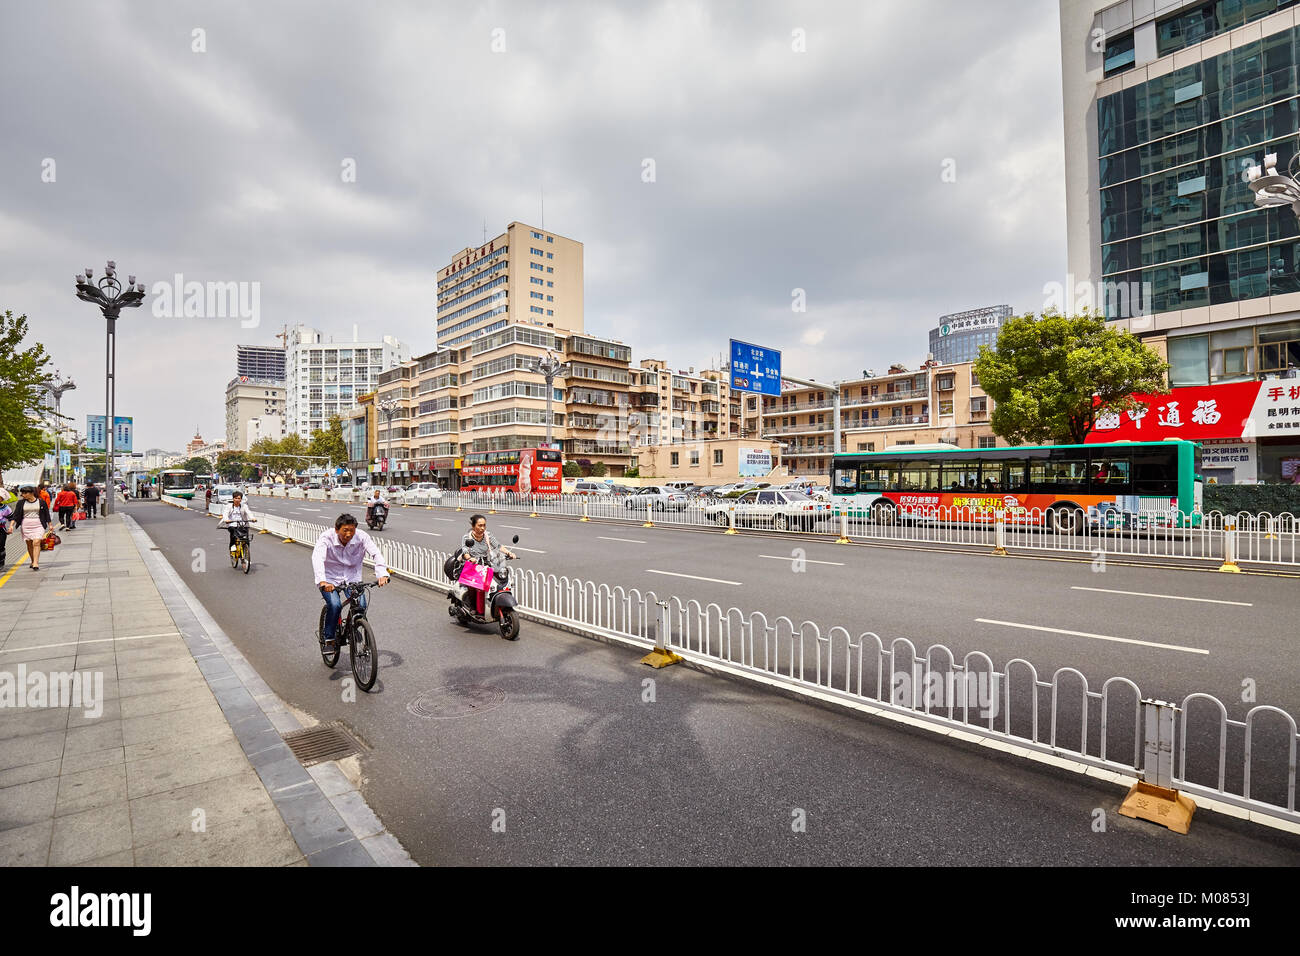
column 884, row 512
column 1066, row 519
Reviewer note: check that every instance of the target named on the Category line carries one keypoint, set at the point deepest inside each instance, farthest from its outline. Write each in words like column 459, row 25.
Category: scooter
column 499, row 604
column 376, row 515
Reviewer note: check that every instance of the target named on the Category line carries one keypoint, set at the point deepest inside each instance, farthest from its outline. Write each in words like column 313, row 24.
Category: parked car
column 658, row 498
column 591, row 488
column 422, row 493
column 781, row 510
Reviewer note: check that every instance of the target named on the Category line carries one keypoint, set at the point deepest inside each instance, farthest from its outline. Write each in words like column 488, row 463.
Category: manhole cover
column 322, row 742
column 456, row 700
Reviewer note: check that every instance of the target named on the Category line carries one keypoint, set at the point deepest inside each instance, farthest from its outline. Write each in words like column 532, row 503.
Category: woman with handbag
column 32, row 517
column 65, row 503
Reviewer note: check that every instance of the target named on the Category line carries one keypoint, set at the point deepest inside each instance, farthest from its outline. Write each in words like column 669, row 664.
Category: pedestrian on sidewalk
column 91, row 497
column 32, row 517
column 65, row 503
column 6, row 512
column 44, row 494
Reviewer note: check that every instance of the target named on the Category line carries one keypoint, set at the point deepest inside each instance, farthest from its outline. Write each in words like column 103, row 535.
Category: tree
column 261, row 452
column 599, row 470
column 248, row 473
column 1052, row 375
column 633, row 472
column 200, row 466
column 229, row 464
column 22, row 373
column 329, row 443
column 572, row 469
column 296, row 449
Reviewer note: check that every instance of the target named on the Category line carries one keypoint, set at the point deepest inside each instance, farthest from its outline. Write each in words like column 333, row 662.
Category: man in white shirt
column 338, row 559
column 236, row 516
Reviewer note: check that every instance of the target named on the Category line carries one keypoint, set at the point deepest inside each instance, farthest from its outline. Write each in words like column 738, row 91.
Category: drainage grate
column 323, row 742
column 456, row 700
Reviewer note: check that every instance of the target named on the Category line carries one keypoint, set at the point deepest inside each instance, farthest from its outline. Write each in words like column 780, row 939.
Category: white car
column 781, row 510
column 422, row 493
column 222, row 494
column 658, row 499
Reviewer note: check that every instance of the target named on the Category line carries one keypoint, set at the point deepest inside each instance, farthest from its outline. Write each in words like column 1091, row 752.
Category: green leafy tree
column 329, row 443
column 599, row 470
column 248, row 473
column 297, row 451
column 22, row 372
column 261, row 452
column 572, row 469
column 1052, row 375
column 200, row 466
column 633, row 472
column 229, row 464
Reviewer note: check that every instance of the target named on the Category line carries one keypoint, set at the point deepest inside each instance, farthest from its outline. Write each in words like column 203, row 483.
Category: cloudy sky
column 218, row 155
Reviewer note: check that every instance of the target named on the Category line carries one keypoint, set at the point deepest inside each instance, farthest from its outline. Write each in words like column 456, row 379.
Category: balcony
column 798, row 429
column 889, row 422
column 579, row 446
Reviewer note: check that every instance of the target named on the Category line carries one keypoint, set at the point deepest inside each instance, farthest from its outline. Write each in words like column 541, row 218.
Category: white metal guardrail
column 1261, row 538
column 1249, row 763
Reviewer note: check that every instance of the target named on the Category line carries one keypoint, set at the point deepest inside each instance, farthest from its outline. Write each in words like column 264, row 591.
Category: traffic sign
column 755, row 368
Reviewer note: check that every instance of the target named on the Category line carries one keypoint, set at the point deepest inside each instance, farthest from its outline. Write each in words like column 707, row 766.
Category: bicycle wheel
column 365, row 655
column 246, row 554
column 330, row 657
column 234, row 556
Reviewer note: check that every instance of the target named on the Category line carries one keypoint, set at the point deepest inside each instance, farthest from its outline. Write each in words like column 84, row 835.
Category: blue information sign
column 95, row 437
column 755, row 369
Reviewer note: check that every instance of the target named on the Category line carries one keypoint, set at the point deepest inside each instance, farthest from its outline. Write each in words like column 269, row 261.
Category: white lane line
column 515, row 527
column 1168, row 597
column 1099, row 637
column 97, row 640
column 433, row 533
column 441, row 519
column 779, row 557
column 308, row 509
column 694, row 577
column 628, row 540
column 515, row 547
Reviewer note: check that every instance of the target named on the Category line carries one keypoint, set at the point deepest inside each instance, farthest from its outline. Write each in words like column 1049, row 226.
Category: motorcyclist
column 376, row 501
column 482, row 548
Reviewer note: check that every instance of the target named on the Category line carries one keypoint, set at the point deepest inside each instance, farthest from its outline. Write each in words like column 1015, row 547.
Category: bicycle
column 243, row 552
column 355, row 628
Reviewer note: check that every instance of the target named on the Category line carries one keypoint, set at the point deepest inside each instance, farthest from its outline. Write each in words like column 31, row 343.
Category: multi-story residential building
column 249, row 398
column 325, row 378
column 959, row 336
column 263, row 426
column 525, row 275
column 689, row 406
column 360, row 436
column 936, row 403
column 260, row 361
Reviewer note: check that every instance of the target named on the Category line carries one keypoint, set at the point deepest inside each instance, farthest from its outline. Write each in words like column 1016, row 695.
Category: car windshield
column 795, row 496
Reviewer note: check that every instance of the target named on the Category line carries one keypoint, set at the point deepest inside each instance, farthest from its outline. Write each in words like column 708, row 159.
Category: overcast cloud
column 775, row 170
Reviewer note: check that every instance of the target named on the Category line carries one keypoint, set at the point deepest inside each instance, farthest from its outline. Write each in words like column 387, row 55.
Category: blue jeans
column 334, row 601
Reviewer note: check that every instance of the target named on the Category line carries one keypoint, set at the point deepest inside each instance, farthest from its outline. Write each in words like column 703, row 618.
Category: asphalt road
column 556, row 740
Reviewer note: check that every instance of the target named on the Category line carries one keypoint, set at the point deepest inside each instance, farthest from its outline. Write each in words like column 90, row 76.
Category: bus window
column 873, row 477
column 845, row 479
column 1155, row 471
column 1015, row 476
column 991, row 476
column 960, row 476
column 918, row 476
column 1110, row 475
column 1058, row 475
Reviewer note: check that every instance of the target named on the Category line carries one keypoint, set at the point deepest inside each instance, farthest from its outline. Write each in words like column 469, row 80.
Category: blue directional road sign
column 755, row 369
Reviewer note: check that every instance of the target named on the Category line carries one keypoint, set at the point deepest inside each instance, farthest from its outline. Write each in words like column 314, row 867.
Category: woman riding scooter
column 484, row 550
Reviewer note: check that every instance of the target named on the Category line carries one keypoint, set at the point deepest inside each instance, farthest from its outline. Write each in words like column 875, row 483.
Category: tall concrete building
column 959, row 336
column 1167, row 103
column 247, row 399
column 325, row 378
column 260, row 361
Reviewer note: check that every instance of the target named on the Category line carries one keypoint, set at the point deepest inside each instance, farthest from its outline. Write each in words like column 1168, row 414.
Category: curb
column 327, row 816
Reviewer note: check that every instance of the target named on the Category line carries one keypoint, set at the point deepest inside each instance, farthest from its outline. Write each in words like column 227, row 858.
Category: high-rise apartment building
column 260, row 361
column 325, row 378
column 247, row 399
column 1167, row 103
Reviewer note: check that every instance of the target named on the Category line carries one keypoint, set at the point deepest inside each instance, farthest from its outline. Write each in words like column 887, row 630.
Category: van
column 679, row 485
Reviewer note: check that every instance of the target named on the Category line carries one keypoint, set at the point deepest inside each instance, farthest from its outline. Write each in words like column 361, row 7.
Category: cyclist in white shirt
column 235, row 516
column 338, row 558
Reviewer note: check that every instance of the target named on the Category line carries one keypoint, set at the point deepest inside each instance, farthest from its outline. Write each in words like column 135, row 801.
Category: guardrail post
column 584, row 508
column 731, row 520
column 661, row 656
column 649, row 518
column 1000, row 534
column 1153, row 798
column 533, row 500
column 844, row 527
column 1230, row 549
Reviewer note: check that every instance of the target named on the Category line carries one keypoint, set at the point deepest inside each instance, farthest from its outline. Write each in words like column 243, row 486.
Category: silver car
column 781, row 510
column 656, row 498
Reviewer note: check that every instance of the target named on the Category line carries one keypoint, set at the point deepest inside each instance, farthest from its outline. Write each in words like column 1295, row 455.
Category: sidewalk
column 132, row 732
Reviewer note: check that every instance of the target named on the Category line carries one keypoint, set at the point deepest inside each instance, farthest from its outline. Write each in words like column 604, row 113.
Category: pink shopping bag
column 476, row 575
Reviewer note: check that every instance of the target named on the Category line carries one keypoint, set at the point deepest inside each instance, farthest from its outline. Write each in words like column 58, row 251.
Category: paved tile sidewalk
column 165, row 758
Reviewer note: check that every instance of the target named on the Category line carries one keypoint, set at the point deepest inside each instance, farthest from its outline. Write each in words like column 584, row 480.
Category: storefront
column 1249, row 431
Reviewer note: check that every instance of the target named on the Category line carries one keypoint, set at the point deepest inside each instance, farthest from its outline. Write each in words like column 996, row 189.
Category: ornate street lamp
column 57, row 386
column 111, row 298
column 389, row 407
column 550, row 368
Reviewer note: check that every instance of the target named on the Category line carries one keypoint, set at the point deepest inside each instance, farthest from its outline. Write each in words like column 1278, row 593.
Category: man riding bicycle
column 236, row 518
column 338, row 558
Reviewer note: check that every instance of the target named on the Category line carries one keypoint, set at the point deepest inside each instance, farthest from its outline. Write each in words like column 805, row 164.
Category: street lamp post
column 111, row 298
column 57, row 388
column 550, row 368
column 389, row 407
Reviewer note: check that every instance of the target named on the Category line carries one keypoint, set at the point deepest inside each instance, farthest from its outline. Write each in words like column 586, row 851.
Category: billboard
column 754, row 462
column 755, row 369
column 95, row 436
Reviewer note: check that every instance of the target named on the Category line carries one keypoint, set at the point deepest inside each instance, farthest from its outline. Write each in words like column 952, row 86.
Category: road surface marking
column 97, row 640
column 441, row 519
column 20, row 560
column 628, row 540
column 694, row 577
column 515, row 527
column 308, row 509
column 434, row 533
column 1170, row 597
column 778, row 557
column 516, row 547
column 1099, row 637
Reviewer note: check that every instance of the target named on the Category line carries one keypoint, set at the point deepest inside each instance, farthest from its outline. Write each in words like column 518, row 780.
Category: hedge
column 1230, row 499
